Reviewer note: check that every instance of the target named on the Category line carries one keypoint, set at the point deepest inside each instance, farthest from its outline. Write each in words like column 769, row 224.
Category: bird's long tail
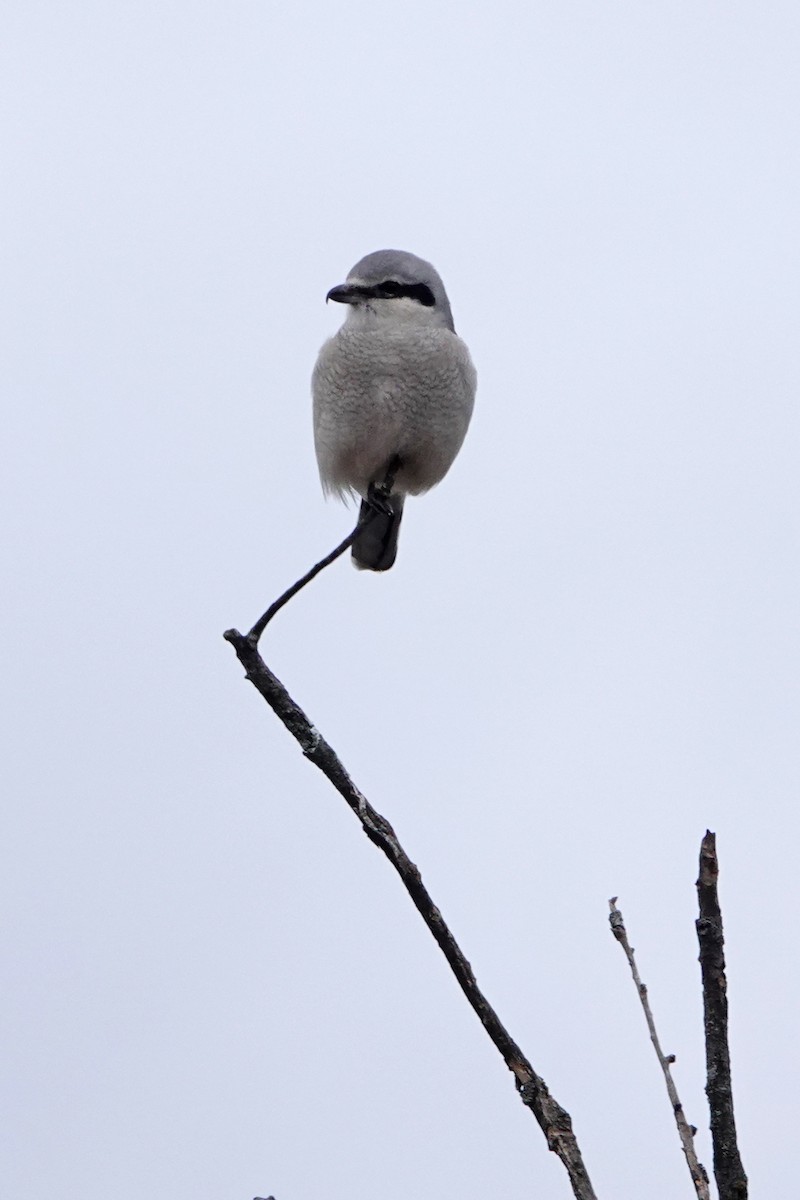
column 375, row 548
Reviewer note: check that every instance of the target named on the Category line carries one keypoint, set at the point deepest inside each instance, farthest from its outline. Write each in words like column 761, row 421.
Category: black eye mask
column 391, row 289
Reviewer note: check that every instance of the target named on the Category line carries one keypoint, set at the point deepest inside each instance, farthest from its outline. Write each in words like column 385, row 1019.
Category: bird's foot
column 378, row 498
column 378, row 494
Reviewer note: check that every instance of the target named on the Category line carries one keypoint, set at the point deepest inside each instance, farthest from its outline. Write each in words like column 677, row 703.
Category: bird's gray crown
column 415, row 277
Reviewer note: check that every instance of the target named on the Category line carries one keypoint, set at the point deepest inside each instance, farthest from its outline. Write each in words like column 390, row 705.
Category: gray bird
column 393, row 393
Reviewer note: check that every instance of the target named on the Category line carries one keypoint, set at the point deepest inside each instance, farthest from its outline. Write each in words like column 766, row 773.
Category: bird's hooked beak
column 347, row 293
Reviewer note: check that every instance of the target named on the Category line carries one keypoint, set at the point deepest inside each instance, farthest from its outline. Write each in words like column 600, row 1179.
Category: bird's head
column 394, row 286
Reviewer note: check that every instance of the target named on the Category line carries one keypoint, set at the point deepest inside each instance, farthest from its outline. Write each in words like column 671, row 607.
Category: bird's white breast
column 402, row 389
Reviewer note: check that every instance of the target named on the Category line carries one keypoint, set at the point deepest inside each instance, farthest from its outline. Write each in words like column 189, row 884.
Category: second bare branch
column 685, row 1130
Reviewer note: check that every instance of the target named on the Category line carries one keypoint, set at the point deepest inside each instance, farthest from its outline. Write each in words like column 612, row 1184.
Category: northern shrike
column 393, row 393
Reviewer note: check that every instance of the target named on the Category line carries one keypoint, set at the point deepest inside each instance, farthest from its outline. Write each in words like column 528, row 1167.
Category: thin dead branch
column 728, row 1169
column 686, row 1131
column 262, row 622
column 379, row 495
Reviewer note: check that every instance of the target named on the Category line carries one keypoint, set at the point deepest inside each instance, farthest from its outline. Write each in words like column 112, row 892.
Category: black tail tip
column 375, row 548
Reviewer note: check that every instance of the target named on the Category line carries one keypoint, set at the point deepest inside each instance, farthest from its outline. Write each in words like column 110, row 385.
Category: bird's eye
column 391, row 288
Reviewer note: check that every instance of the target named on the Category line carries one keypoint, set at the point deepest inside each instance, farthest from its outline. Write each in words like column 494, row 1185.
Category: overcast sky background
column 586, row 655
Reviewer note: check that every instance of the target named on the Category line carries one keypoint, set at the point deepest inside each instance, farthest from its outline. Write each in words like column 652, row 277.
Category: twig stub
column 728, row 1170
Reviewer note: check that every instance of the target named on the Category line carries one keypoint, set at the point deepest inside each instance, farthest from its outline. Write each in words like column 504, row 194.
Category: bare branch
column 554, row 1121
column 728, row 1169
column 686, row 1131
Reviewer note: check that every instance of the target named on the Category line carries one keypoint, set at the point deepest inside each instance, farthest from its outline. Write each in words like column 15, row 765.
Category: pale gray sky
column 586, row 655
